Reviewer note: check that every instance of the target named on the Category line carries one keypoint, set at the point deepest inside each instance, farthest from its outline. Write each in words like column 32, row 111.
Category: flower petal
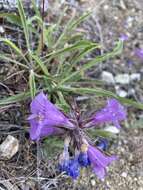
column 113, row 112
column 100, row 172
column 99, row 161
column 35, row 130
column 52, row 116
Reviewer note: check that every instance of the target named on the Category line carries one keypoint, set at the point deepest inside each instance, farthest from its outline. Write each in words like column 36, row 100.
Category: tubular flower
column 113, row 112
column 83, row 156
column 102, row 144
column 74, row 168
column 46, row 118
column 99, row 161
column 64, row 160
column 69, row 165
column 124, row 37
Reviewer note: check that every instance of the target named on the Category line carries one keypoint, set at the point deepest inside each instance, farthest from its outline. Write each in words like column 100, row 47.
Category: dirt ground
column 27, row 170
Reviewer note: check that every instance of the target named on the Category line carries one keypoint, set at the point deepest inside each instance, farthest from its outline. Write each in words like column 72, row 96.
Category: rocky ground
column 123, row 74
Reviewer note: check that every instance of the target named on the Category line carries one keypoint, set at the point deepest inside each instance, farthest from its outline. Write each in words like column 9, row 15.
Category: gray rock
column 112, row 129
column 122, row 93
column 122, row 79
column 107, row 77
column 9, row 147
column 124, row 174
column 2, row 30
column 135, row 77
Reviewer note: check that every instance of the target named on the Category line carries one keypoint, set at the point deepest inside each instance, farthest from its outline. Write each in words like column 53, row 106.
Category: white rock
column 93, row 182
column 122, row 78
column 124, row 174
column 135, row 76
column 107, row 77
column 131, row 91
column 121, row 93
column 112, row 129
column 2, row 30
column 129, row 21
column 9, row 147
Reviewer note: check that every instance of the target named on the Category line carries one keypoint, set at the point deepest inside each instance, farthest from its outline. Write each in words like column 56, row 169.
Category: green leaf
column 9, row 59
column 79, row 20
column 11, row 17
column 85, row 51
column 25, row 26
column 78, row 45
column 14, row 98
column 100, row 133
column 35, row 8
column 117, row 50
column 61, row 102
column 40, row 64
column 32, row 84
column 70, row 26
column 14, row 47
column 102, row 93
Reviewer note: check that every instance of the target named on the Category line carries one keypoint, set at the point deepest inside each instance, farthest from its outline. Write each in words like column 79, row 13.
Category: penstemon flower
column 99, row 161
column 112, row 113
column 46, row 119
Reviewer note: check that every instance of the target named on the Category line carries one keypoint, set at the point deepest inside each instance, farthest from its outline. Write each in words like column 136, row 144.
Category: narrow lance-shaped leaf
column 78, row 45
column 25, row 26
column 32, row 84
column 15, row 98
column 117, row 50
column 40, row 63
column 100, row 92
column 70, row 26
column 11, row 17
column 5, row 57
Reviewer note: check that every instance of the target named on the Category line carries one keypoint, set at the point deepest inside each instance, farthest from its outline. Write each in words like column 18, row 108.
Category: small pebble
column 93, row 183
column 9, row 147
column 122, row 79
column 2, row 30
column 107, row 77
column 124, row 174
column 135, row 77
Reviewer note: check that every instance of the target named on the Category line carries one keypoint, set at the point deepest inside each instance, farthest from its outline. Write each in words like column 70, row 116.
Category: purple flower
column 64, row 160
column 46, row 118
column 139, row 53
column 102, row 144
column 124, row 37
column 83, row 156
column 69, row 165
column 83, row 159
column 99, row 161
column 113, row 112
column 74, row 168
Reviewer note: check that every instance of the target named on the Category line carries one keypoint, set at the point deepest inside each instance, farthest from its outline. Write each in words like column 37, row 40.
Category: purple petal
column 124, row 37
column 35, row 130
column 99, row 161
column 100, row 172
column 46, row 131
column 139, row 53
column 113, row 112
column 52, row 116
column 38, row 131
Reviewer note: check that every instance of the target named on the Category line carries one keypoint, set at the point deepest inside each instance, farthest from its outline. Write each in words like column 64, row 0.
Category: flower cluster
column 46, row 119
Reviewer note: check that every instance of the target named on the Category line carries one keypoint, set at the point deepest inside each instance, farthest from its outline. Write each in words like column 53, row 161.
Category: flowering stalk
column 46, row 119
